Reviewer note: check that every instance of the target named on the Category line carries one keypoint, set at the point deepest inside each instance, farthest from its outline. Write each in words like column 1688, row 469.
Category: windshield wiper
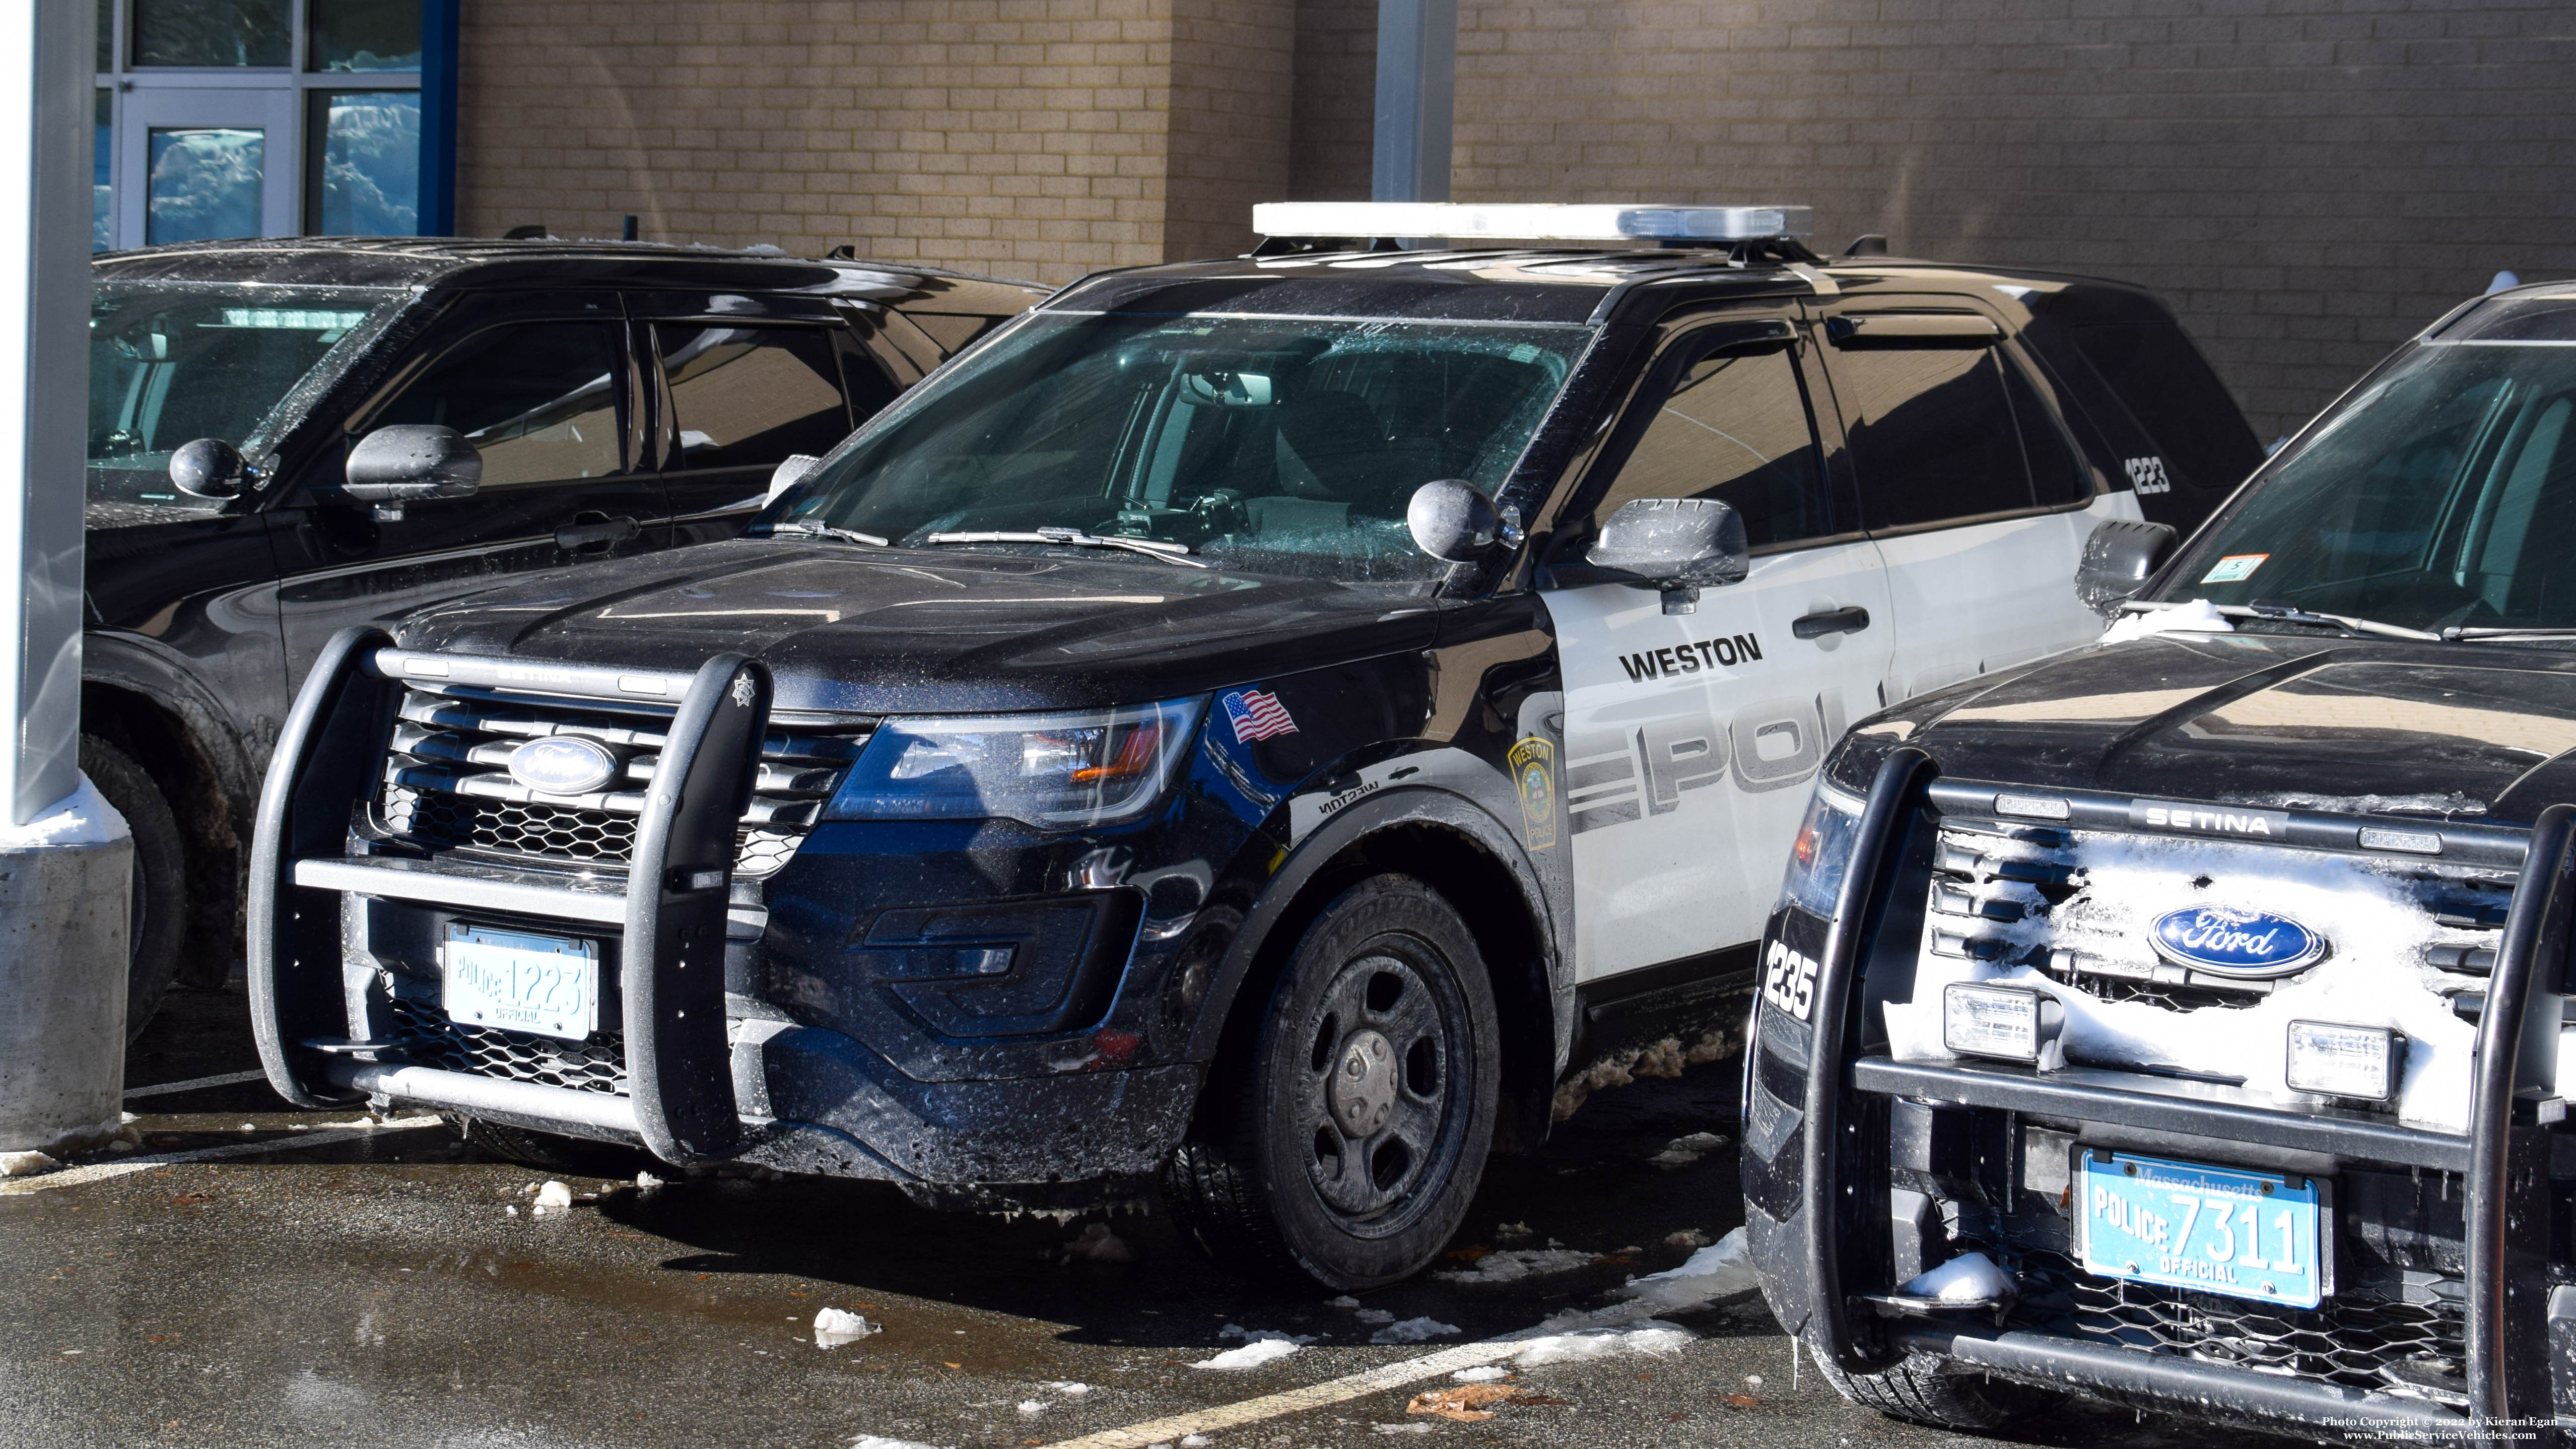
column 810, row 528
column 2293, row 614
column 2490, row 632
column 1172, row 553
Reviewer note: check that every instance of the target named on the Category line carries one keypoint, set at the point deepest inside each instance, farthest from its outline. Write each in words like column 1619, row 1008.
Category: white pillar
column 1417, row 68
column 65, row 858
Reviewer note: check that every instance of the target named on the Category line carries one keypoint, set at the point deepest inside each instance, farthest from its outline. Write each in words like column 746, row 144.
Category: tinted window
column 749, row 396
column 2057, row 474
column 541, row 400
column 1735, row 428
column 1936, row 435
column 2177, row 401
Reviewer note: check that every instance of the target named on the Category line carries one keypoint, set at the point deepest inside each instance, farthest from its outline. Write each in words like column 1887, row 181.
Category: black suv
column 624, row 398
column 2183, row 1020
column 1264, row 720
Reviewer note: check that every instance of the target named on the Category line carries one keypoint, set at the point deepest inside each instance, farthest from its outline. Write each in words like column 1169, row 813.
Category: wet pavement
column 332, row 1283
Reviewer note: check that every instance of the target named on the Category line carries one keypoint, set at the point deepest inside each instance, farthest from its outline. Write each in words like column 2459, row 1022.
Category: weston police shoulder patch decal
column 1533, row 763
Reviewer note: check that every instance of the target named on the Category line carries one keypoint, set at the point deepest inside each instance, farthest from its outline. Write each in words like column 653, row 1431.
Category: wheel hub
column 1362, row 1092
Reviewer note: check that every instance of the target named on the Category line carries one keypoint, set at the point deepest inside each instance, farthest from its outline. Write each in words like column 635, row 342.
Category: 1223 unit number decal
column 1789, row 980
column 2147, row 475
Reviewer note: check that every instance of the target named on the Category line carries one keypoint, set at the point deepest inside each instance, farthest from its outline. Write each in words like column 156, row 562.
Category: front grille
column 2347, row 1340
column 424, row 1034
column 447, row 783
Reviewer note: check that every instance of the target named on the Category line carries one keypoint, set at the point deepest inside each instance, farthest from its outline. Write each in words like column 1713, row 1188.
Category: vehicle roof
column 479, row 262
column 1553, row 284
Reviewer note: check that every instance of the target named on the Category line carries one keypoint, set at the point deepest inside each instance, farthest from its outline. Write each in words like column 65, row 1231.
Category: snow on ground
column 1513, row 1264
column 1268, row 1349
column 1720, row 1270
column 1967, row 1278
column 836, row 1326
column 1413, row 1330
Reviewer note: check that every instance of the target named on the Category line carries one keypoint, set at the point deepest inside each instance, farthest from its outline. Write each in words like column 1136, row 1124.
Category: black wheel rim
column 1386, row 1084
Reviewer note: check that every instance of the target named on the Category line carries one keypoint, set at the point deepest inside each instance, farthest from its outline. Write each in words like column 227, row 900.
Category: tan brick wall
column 2307, row 181
column 1023, row 137
column 1333, row 123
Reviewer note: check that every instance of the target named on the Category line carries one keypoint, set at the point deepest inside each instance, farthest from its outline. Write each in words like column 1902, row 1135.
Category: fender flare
column 138, row 666
column 1403, row 806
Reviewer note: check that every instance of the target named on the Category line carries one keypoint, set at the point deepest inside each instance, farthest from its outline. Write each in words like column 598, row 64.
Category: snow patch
column 2200, row 616
column 1650, row 1337
column 1067, row 1388
column 1404, row 1428
column 1483, row 1373
column 836, row 1326
column 646, row 1182
column 880, row 1441
column 1967, row 1278
column 1264, row 1348
column 1720, row 1270
column 1514, row 1264
column 1664, row 1058
column 2376, row 974
column 2451, row 803
column 82, row 817
column 1345, row 1301
column 25, row 1164
column 554, row 1195
column 1374, row 1315
column 1687, row 1238
column 1683, row 1151
column 1413, row 1330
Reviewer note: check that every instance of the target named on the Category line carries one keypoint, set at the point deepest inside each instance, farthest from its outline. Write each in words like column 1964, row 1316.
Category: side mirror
column 208, row 468
column 396, row 465
column 2118, row 557
column 1450, row 520
column 791, row 470
column 1677, row 546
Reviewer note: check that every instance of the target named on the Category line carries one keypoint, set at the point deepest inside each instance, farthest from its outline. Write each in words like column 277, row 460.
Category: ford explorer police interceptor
column 1247, row 721
column 2181, row 1020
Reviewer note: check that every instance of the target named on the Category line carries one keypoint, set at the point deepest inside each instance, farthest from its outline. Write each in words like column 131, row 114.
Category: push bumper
column 1820, row 1190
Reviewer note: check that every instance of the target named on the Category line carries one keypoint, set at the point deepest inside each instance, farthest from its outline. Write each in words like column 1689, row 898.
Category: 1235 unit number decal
column 1789, row 980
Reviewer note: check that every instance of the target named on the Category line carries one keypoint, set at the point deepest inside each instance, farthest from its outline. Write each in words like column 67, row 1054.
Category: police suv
column 1248, row 721
column 2181, row 1020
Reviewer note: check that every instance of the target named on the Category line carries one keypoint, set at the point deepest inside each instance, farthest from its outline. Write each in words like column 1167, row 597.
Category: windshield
column 171, row 362
column 1267, row 444
column 2443, row 495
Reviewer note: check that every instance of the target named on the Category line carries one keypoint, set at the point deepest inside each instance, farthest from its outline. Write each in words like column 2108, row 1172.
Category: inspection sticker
column 2234, row 567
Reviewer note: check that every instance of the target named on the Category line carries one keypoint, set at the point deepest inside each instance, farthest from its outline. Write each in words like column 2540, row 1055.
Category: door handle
column 606, row 530
column 1849, row 620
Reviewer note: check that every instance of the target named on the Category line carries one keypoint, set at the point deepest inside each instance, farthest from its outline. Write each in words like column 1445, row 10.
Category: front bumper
column 1016, row 1037
column 1861, row 1171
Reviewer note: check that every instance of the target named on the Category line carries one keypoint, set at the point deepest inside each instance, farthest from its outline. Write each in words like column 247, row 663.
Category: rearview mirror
column 791, row 470
column 396, row 465
column 2118, row 558
column 1677, row 546
column 1450, row 520
column 208, row 468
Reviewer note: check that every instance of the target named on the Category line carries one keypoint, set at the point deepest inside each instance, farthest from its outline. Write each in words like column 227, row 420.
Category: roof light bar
column 1537, row 222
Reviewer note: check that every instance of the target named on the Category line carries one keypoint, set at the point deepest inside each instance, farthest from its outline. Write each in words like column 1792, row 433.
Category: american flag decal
column 1257, row 716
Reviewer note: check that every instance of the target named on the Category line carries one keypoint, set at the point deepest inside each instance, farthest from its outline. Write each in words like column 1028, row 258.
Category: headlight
column 2012, row 1022
column 1822, row 852
column 2344, row 1061
column 1068, row 771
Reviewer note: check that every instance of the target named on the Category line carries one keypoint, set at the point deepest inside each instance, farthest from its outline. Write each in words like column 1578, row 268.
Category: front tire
column 1922, row 1390
column 1357, row 1134
column 157, row 914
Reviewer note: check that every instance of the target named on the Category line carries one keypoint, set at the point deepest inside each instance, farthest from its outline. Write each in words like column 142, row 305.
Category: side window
column 2166, row 385
column 749, row 396
column 2057, row 474
column 542, row 401
column 1937, row 434
column 1734, row 427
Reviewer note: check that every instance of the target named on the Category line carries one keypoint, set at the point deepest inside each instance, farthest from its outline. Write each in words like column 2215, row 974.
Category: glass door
column 202, row 163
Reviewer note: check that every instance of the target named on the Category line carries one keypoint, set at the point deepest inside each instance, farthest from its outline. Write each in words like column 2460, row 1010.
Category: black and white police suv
column 2180, row 1020
column 1241, row 720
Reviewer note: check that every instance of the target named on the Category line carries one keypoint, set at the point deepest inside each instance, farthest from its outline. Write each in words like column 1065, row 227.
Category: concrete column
column 1417, row 71
column 65, row 857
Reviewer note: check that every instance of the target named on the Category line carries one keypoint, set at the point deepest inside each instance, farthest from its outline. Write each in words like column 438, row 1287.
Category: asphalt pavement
column 326, row 1281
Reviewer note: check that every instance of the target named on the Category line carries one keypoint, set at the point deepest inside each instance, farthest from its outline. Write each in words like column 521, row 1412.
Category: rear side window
column 1735, row 428
column 2182, row 407
column 750, row 396
column 1950, row 432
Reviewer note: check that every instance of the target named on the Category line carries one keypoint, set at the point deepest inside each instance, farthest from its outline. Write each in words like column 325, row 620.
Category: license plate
column 2245, row 1234
column 545, row 985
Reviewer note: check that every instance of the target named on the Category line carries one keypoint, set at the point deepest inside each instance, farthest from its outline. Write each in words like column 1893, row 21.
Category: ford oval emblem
column 562, row 765
column 2226, row 941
